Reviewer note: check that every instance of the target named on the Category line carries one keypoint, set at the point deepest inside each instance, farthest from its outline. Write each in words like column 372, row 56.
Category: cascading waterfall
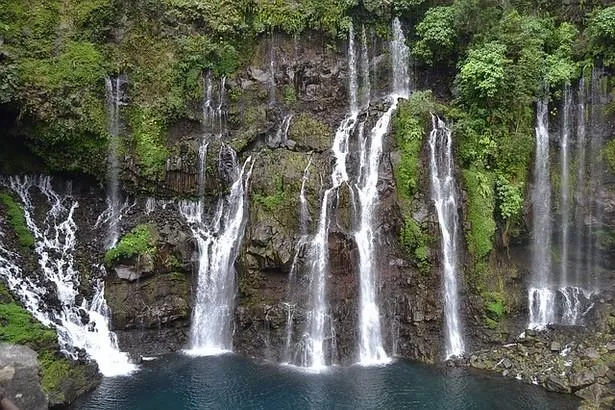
column 292, row 277
column 566, row 299
column 280, row 139
column 541, row 297
column 371, row 350
column 318, row 341
column 444, row 196
column 79, row 327
column 218, row 237
column 565, row 183
column 115, row 99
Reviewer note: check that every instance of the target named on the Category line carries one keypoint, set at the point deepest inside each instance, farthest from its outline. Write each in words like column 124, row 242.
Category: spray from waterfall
column 218, row 238
column 444, row 196
column 82, row 326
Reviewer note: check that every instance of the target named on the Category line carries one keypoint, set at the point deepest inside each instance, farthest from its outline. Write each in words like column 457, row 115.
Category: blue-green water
column 232, row 382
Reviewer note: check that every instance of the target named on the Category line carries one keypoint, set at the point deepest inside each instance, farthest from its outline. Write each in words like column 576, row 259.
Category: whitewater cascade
column 55, row 241
column 114, row 100
column 444, row 196
column 218, row 237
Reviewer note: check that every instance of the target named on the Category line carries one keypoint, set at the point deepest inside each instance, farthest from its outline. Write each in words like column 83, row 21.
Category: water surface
column 232, row 382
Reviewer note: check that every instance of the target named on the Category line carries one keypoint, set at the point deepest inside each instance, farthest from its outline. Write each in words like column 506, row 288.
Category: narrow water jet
column 444, row 197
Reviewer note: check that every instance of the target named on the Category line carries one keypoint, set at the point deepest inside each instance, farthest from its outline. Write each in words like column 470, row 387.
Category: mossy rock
column 140, row 241
column 16, row 218
column 309, row 132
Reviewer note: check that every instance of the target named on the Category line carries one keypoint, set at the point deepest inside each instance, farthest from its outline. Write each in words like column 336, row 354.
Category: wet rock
column 507, row 363
column 590, row 353
column 581, row 378
column 557, row 384
column 594, row 393
column 19, row 377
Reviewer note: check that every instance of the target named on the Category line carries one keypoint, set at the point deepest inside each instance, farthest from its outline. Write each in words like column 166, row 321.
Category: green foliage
column 416, row 242
column 272, row 202
column 293, row 17
column 19, row 327
column 479, row 185
column 601, row 33
column 509, row 198
column 139, row 241
column 482, row 74
column 16, row 219
column 148, row 131
column 409, row 129
column 436, row 34
column 290, row 96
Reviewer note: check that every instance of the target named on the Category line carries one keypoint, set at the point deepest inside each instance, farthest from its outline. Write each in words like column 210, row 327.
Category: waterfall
column 303, row 231
column 541, row 297
column 444, row 196
column 366, row 90
column 371, row 350
column 400, row 54
column 318, row 343
column 79, row 327
column 114, row 100
column 281, row 136
column 565, row 184
column 218, row 237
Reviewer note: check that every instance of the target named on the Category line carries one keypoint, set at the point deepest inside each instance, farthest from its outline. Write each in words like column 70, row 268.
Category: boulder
column 594, row 393
column 581, row 378
column 19, row 377
column 557, row 384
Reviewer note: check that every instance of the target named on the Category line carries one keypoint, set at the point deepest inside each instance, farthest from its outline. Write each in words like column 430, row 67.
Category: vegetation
column 139, row 241
column 19, row 327
column 16, row 219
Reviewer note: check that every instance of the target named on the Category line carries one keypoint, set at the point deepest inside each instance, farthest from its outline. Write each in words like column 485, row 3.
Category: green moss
column 290, row 96
column 479, row 185
column 308, row 131
column 416, row 243
column 139, row 241
column 495, row 305
column 274, row 201
column 148, row 130
column 19, row 327
column 16, row 219
column 608, row 153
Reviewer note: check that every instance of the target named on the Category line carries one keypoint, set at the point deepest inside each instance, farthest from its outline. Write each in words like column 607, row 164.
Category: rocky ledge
column 575, row 360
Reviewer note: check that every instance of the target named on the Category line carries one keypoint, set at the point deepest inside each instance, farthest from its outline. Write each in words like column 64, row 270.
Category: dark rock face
column 19, row 377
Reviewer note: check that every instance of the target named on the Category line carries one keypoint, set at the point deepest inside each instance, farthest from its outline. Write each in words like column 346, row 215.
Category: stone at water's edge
column 19, row 377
